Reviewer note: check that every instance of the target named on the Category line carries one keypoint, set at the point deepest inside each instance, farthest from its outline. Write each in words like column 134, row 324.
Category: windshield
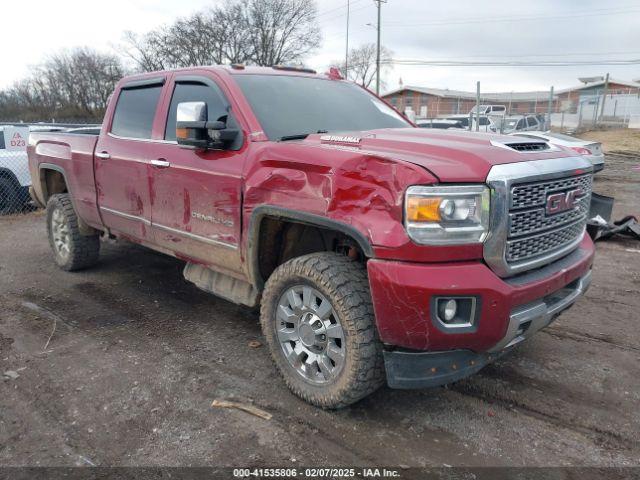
column 288, row 106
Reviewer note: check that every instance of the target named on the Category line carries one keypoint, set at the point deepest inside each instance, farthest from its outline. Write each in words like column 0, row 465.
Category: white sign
column 16, row 138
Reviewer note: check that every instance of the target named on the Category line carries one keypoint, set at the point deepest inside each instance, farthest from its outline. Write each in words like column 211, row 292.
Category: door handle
column 160, row 163
column 103, row 155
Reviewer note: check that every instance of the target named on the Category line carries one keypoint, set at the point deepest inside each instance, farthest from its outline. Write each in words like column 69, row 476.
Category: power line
column 341, row 15
column 450, row 63
column 463, row 21
column 548, row 54
column 333, row 13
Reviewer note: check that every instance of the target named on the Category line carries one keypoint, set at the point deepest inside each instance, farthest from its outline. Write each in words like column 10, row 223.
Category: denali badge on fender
column 561, row 202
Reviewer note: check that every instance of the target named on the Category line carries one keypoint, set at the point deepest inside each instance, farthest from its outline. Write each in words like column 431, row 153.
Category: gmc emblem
column 561, row 202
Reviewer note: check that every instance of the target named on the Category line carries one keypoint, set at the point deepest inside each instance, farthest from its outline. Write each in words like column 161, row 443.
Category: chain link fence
column 475, row 110
column 599, row 110
column 15, row 178
column 569, row 110
column 15, row 181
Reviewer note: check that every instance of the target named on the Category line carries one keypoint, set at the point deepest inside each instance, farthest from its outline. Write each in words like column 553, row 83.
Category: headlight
column 450, row 215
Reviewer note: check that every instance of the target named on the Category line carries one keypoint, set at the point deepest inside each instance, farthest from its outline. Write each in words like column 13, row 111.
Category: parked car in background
column 14, row 177
column 486, row 124
column 14, row 167
column 441, row 123
column 490, row 110
column 522, row 123
column 590, row 150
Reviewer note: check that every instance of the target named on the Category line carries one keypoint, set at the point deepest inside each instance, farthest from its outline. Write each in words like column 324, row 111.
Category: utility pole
column 477, row 107
column 346, row 55
column 604, row 96
column 379, row 3
column 549, row 108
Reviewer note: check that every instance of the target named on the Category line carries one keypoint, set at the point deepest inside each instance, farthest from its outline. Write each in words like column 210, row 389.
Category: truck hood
column 452, row 156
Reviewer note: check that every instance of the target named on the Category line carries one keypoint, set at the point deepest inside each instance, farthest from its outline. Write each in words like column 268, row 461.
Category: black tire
column 343, row 282
column 10, row 196
column 81, row 251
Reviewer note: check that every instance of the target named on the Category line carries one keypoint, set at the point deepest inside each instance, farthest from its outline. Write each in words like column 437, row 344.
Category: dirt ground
column 118, row 365
column 617, row 139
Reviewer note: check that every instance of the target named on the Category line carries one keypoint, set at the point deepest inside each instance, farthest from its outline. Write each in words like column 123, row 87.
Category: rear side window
column 135, row 111
column 484, row 121
column 2, row 147
column 532, row 121
column 197, row 92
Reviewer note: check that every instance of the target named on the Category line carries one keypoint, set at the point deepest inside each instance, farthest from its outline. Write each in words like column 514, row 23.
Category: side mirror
column 195, row 132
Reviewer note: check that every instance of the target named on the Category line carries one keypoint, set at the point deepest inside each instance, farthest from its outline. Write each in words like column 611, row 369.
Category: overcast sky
column 460, row 30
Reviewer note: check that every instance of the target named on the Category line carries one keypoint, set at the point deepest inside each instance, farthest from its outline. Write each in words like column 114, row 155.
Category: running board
column 225, row 286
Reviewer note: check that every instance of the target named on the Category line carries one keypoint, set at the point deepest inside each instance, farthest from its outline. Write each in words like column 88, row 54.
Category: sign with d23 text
column 16, row 138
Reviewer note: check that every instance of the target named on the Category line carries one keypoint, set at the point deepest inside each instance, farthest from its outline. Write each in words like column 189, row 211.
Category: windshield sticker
column 340, row 139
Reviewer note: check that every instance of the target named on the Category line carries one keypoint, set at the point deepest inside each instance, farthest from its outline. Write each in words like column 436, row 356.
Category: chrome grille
column 525, row 248
column 525, row 222
column 534, row 194
column 531, row 231
column 524, row 233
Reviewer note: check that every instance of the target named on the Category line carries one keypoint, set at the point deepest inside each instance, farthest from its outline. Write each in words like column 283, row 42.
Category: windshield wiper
column 299, row 136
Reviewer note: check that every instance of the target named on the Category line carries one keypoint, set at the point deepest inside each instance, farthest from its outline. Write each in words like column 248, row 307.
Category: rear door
column 196, row 195
column 123, row 157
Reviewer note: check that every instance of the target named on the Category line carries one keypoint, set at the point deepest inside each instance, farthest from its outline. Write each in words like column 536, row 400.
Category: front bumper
column 431, row 369
column 510, row 310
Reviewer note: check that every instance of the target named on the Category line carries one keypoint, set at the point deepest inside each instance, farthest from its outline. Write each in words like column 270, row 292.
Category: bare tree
column 362, row 64
column 72, row 84
column 281, row 31
column 260, row 32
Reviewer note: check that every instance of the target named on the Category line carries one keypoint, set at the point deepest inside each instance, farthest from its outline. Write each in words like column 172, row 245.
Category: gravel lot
column 137, row 356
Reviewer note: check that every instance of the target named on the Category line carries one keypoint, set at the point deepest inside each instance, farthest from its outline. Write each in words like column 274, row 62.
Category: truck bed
column 66, row 152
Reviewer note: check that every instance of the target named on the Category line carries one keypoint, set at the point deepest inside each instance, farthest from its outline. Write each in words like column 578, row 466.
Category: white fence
column 621, row 110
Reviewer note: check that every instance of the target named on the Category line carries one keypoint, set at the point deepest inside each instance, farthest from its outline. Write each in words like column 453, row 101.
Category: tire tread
column 85, row 250
column 346, row 282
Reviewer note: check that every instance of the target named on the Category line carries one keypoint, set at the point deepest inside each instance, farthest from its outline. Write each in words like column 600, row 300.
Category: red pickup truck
column 375, row 249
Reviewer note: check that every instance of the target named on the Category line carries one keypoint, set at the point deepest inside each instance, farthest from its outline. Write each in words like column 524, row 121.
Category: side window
column 135, row 111
column 484, row 121
column 532, row 121
column 197, row 92
column 521, row 124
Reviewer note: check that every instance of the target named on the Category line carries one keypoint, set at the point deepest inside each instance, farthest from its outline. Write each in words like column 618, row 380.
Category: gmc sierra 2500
column 375, row 249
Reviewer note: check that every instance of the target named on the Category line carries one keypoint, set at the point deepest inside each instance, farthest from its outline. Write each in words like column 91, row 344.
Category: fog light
column 455, row 313
column 450, row 310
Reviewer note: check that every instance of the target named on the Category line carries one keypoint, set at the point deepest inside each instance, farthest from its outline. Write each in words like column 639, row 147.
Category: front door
column 122, row 159
column 196, row 195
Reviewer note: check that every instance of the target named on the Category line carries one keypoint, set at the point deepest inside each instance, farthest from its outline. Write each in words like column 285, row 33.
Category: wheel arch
column 53, row 179
column 259, row 235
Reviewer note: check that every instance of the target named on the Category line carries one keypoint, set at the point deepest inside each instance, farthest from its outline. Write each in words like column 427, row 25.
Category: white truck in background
column 15, row 179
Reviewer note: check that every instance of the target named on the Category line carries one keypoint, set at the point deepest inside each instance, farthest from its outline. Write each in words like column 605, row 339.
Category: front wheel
column 318, row 320
column 71, row 249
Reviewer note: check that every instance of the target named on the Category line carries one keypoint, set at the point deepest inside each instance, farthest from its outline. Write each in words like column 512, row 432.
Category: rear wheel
column 318, row 320
column 71, row 249
column 10, row 196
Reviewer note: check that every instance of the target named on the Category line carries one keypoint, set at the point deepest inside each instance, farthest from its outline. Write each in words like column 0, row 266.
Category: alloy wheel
column 310, row 334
